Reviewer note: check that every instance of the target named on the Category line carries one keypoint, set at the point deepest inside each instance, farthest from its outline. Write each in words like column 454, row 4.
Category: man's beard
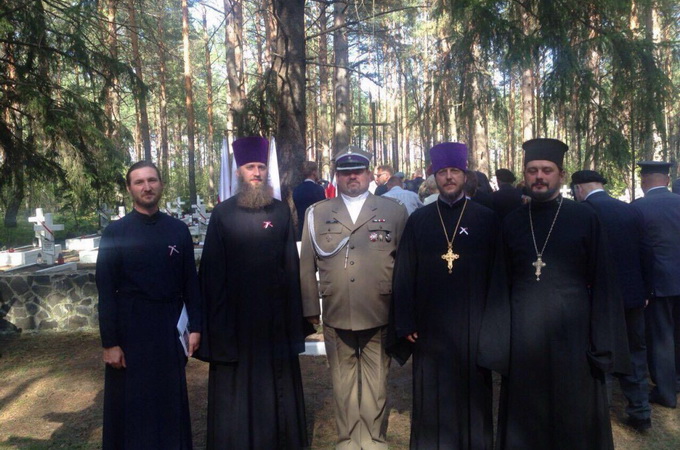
column 450, row 196
column 253, row 197
column 543, row 196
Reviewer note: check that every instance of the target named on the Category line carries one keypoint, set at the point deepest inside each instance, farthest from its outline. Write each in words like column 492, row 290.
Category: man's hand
column 194, row 342
column 314, row 320
column 114, row 357
column 413, row 337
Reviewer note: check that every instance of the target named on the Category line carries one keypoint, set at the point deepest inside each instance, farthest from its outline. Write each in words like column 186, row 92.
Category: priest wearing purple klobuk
column 253, row 329
column 441, row 279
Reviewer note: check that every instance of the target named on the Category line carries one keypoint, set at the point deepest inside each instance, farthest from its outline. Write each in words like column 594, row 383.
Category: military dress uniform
column 355, row 262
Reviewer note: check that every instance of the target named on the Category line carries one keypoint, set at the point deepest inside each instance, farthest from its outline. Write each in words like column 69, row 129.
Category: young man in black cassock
column 145, row 273
column 552, row 326
column 253, row 333
column 441, row 277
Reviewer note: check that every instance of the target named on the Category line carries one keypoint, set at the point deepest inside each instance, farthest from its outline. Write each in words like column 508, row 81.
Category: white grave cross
column 199, row 209
column 178, row 207
column 44, row 230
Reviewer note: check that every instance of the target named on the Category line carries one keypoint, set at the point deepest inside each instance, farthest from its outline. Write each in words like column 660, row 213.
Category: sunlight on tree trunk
column 189, row 103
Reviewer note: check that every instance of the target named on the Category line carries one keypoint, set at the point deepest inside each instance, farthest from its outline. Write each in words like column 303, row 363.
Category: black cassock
column 253, row 333
column 452, row 405
column 145, row 271
column 554, row 339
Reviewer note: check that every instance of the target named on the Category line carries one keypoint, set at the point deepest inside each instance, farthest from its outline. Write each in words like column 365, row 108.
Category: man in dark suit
column 660, row 210
column 622, row 226
column 307, row 193
column 507, row 197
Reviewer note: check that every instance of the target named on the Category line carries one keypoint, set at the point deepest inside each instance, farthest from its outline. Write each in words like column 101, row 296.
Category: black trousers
column 662, row 317
column 634, row 386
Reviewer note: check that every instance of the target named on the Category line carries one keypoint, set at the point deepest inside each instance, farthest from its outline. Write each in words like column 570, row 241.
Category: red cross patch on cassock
column 267, row 224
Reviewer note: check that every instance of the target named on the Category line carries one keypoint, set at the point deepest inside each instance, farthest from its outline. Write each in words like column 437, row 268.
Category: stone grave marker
column 120, row 214
column 199, row 211
column 44, row 230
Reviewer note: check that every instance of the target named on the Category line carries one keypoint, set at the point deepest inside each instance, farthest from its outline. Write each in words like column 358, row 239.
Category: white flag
column 225, row 173
column 273, row 166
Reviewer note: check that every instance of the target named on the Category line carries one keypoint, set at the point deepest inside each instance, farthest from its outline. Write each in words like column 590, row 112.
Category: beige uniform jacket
column 355, row 284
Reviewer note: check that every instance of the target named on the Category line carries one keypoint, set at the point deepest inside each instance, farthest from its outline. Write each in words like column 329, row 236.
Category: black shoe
column 639, row 425
column 654, row 397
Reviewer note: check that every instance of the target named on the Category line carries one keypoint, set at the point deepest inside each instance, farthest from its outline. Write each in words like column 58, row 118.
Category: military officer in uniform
column 660, row 211
column 351, row 240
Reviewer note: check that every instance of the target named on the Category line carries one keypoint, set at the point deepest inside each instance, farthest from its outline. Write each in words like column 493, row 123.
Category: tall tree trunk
column 139, row 88
column 341, row 85
column 269, row 31
column 163, row 99
column 593, row 65
column 479, row 154
column 233, row 11
column 511, row 144
column 112, row 101
column 288, row 67
column 211, row 125
column 12, row 161
column 658, row 129
column 527, row 88
column 189, row 101
column 324, row 129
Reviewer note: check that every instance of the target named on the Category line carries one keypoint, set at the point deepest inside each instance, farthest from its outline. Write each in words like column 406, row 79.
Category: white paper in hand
column 183, row 329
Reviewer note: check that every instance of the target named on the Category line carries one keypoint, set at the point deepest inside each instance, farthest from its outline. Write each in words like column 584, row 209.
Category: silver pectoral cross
column 538, row 264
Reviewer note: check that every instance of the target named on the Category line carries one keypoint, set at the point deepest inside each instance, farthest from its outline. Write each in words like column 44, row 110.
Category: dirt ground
column 51, row 389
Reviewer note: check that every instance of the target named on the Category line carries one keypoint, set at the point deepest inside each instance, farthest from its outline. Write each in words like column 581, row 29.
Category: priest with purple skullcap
column 553, row 325
column 253, row 324
column 441, row 280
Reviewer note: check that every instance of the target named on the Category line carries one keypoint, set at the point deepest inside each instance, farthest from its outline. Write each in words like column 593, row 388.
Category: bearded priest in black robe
column 553, row 324
column 253, row 326
column 441, row 277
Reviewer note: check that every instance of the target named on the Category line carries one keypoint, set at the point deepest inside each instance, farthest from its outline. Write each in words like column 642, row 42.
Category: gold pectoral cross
column 450, row 257
column 538, row 264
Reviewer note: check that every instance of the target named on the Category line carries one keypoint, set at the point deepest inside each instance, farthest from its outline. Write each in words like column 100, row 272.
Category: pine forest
column 88, row 86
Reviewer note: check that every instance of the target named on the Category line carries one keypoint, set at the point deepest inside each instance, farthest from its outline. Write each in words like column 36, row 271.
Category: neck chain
column 539, row 264
column 449, row 256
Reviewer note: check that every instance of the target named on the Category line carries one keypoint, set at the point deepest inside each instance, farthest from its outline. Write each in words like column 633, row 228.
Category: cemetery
column 49, row 284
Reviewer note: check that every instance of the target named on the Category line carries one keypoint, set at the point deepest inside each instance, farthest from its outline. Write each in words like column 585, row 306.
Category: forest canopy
column 89, row 86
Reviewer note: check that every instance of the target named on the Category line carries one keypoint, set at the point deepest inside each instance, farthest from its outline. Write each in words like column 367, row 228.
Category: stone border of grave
column 61, row 301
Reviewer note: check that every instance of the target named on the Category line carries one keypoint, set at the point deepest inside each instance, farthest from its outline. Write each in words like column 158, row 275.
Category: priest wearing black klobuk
column 553, row 324
column 253, row 326
column 441, row 278
column 145, row 274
